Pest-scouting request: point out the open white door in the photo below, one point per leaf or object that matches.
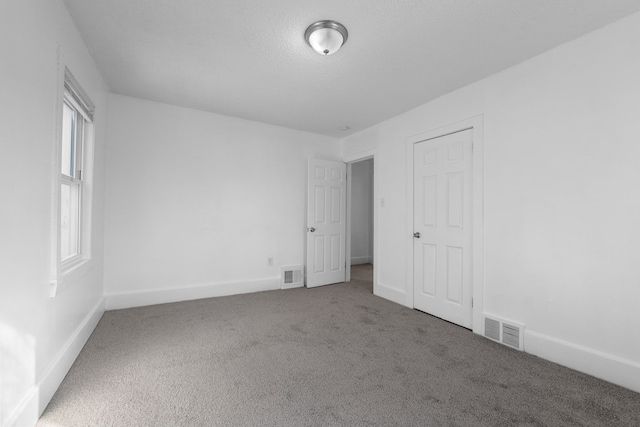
(326, 223)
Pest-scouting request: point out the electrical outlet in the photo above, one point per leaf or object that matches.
(270, 262)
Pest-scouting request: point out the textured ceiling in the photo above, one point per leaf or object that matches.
(248, 58)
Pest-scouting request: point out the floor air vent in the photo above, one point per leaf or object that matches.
(292, 277)
(504, 331)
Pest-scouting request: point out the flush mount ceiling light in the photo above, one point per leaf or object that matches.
(326, 37)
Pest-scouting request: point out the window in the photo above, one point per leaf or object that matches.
(77, 128)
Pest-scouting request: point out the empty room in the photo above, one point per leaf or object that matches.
(297, 213)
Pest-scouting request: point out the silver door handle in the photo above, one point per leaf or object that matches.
(311, 229)
(416, 234)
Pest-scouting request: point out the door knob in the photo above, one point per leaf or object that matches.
(416, 234)
(311, 229)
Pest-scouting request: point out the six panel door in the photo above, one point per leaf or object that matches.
(326, 223)
(442, 277)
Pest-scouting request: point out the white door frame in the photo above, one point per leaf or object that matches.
(350, 160)
(475, 124)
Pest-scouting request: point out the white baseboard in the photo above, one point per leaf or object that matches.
(116, 301)
(625, 373)
(39, 396)
(392, 294)
(26, 413)
(357, 260)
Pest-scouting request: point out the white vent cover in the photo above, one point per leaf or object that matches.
(292, 277)
(492, 329)
(504, 331)
(511, 335)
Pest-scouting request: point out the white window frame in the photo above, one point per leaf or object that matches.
(67, 269)
(74, 180)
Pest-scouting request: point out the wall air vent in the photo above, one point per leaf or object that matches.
(492, 329)
(504, 331)
(511, 335)
(292, 277)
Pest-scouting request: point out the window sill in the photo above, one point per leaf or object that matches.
(70, 274)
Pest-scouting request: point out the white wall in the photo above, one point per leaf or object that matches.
(362, 212)
(197, 202)
(561, 198)
(40, 336)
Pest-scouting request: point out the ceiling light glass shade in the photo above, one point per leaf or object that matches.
(326, 37)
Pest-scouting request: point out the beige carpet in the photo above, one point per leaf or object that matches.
(335, 355)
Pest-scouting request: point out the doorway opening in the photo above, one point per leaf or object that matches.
(362, 215)
(362, 276)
